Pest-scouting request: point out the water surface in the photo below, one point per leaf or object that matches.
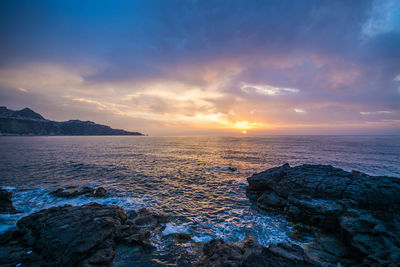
(187, 177)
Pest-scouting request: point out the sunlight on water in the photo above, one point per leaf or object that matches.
(199, 181)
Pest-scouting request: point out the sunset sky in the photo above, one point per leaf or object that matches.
(206, 67)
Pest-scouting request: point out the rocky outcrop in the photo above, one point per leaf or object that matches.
(77, 236)
(6, 205)
(249, 253)
(74, 191)
(28, 122)
(359, 212)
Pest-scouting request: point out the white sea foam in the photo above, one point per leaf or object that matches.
(172, 228)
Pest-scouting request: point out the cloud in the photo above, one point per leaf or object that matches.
(205, 65)
(375, 112)
(267, 90)
(298, 110)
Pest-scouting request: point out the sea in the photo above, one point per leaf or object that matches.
(199, 181)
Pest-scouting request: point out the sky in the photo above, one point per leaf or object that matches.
(206, 67)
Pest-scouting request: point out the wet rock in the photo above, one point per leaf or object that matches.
(180, 237)
(74, 191)
(100, 192)
(73, 236)
(301, 234)
(360, 211)
(249, 253)
(6, 206)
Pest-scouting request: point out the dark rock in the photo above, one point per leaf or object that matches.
(6, 206)
(180, 237)
(146, 217)
(100, 192)
(301, 234)
(73, 236)
(270, 199)
(74, 191)
(249, 253)
(329, 251)
(329, 183)
(359, 212)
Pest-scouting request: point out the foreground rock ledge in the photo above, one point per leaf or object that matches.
(358, 214)
(77, 236)
(248, 253)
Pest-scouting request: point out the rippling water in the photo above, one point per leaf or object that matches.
(187, 177)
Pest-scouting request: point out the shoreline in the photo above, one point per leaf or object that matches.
(339, 224)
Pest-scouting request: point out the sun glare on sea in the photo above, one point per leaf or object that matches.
(244, 132)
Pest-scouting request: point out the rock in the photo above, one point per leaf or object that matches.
(361, 212)
(100, 192)
(249, 253)
(270, 199)
(329, 251)
(146, 217)
(6, 206)
(180, 237)
(327, 182)
(73, 236)
(314, 212)
(301, 234)
(379, 229)
(74, 191)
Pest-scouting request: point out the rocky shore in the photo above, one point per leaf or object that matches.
(77, 236)
(352, 219)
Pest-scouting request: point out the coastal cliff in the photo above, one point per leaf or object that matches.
(28, 122)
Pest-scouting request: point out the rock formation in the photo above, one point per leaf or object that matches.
(74, 191)
(355, 217)
(249, 253)
(77, 236)
(6, 206)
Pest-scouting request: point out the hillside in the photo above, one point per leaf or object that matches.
(28, 122)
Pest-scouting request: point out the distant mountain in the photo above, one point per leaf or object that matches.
(28, 122)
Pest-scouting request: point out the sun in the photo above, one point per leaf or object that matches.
(244, 132)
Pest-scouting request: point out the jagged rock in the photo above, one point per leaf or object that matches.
(6, 206)
(74, 191)
(329, 183)
(73, 236)
(353, 207)
(249, 253)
